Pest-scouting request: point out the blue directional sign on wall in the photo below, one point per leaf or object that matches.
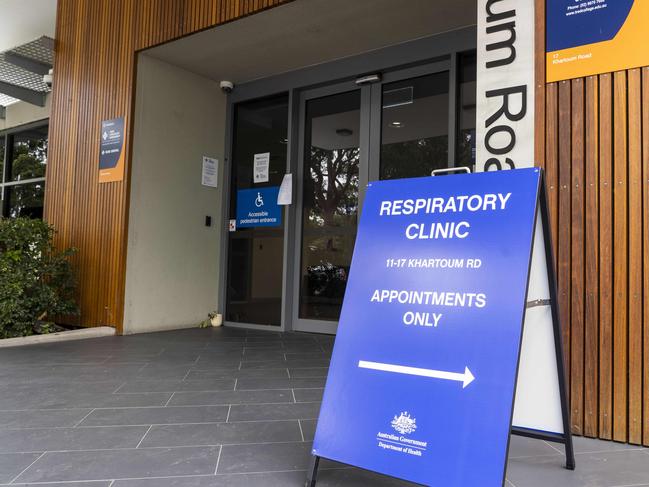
(422, 378)
(257, 207)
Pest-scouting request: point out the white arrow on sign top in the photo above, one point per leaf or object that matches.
(466, 378)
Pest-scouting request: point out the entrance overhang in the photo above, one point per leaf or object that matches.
(308, 33)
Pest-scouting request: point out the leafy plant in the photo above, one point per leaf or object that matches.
(36, 281)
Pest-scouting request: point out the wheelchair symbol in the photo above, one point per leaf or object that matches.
(259, 201)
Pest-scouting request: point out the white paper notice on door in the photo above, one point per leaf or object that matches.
(260, 167)
(210, 172)
(285, 195)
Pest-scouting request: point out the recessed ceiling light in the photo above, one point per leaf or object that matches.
(396, 125)
(344, 132)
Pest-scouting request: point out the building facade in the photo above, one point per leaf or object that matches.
(336, 94)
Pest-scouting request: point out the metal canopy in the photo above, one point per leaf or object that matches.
(21, 72)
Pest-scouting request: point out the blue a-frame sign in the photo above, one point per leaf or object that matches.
(423, 373)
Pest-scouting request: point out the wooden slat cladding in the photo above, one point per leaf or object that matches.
(576, 261)
(645, 253)
(597, 149)
(591, 258)
(95, 64)
(635, 256)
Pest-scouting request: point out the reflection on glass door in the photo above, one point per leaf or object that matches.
(330, 202)
(414, 126)
(465, 153)
(256, 247)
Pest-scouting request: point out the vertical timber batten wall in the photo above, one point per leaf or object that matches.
(592, 139)
(96, 45)
(597, 164)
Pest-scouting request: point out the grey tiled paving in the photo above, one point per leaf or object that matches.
(215, 407)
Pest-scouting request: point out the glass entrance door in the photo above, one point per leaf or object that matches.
(408, 123)
(256, 236)
(333, 167)
(397, 128)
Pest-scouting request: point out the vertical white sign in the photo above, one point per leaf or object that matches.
(260, 167)
(210, 172)
(285, 195)
(505, 85)
(505, 140)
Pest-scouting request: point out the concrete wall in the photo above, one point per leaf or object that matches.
(172, 270)
(22, 112)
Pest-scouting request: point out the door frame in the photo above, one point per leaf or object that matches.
(389, 61)
(371, 112)
(306, 324)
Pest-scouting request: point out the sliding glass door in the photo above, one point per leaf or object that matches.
(396, 128)
(332, 166)
(256, 236)
(290, 267)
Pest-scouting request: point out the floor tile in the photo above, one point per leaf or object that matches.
(222, 433)
(264, 458)
(308, 395)
(230, 397)
(47, 389)
(275, 364)
(211, 374)
(166, 372)
(261, 384)
(263, 355)
(300, 356)
(41, 419)
(11, 464)
(589, 445)
(156, 415)
(355, 477)
(274, 479)
(83, 400)
(58, 439)
(609, 469)
(308, 372)
(308, 428)
(63, 385)
(261, 412)
(215, 361)
(173, 386)
(119, 464)
(95, 483)
(520, 446)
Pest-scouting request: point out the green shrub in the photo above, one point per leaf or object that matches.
(36, 281)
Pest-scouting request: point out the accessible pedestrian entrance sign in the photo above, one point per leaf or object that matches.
(425, 364)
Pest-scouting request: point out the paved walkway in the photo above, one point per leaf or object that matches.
(216, 407)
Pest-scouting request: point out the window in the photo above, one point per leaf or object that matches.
(23, 163)
(256, 249)
(465, 154)
(414, 126)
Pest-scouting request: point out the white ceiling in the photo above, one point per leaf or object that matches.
(22, 21)
(309, 32)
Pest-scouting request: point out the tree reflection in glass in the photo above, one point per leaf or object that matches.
(29, 156)
(330, 204)
(25, 200)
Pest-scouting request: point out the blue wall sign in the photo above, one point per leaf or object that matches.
(595, 36)
(257, 207)
(422, 378)
(571, 24)
(111, 153)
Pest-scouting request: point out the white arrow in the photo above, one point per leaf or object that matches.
(466, 378)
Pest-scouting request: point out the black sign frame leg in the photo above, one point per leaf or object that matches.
(312, 472)
(566, 437)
